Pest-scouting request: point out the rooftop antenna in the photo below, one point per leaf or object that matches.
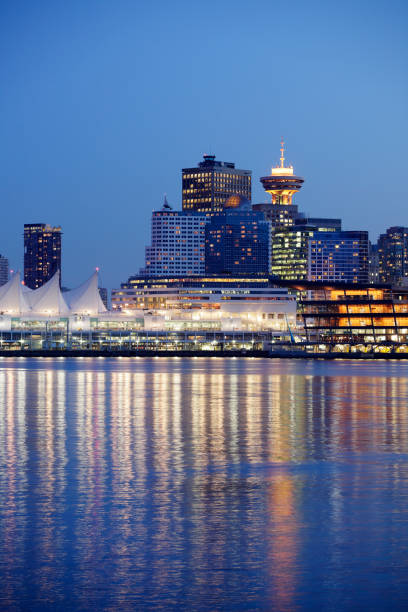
(282, 150)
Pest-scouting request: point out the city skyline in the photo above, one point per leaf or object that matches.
(105, 105)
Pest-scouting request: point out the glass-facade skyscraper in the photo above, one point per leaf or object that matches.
(237, 241)
(339, 256)
(42, 253)
(317, 249)
(207, 187)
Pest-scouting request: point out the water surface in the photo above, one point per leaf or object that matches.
(203, 484)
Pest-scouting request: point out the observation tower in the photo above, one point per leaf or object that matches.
(282, 183)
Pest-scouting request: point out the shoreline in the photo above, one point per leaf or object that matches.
(221, 354)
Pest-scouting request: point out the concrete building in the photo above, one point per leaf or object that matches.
(177, 243)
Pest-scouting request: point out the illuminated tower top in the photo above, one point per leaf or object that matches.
(282, 183)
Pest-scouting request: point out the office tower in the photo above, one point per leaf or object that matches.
(177, 243)
(339, 256)
(290, 246)
(42, 253)
(317, 249)
(4, 270)
(393, 255)
(237, 241)
(281, 184)
(207, 187)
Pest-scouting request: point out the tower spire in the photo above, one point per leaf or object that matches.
(282, 150)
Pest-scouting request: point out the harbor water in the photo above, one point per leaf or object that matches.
(203, 484)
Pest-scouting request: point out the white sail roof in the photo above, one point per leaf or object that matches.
(48, 299)
(86, 298)
(13, 300)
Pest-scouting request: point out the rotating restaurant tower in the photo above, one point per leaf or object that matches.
(281, 184)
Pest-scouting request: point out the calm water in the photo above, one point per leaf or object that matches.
(203, 484)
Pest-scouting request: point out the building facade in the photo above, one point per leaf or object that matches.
(4, 270)
(339, 256)
(393, 255)
(207, 187)
(208, 304)
(350, 316)
(177, 244)
(42, 253)
(237, 241)
(290, 246)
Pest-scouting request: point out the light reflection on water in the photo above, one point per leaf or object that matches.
(203, 484)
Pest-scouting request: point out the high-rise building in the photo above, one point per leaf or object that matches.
(237, 241)
(290, 246)
(207, 187)
(4, 270)
(281, 184)
(339, 256)
(177, 243)
(393, 255)
(42, 253)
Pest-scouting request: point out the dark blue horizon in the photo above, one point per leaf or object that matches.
(104, 103)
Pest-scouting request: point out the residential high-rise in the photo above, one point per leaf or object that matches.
(4, 270)
(393, 255)
(177, 243)
(237, 241)
(42, 253)
(281, 184)
(207, 187)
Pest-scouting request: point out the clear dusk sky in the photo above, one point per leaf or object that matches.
(103, 102)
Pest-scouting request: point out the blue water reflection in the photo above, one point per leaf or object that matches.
(203, 484)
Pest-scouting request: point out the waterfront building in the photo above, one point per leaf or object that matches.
(353, 316)
(177, 243)
(208, 304)
(393, 255)
(148, 312)
(42, 253)
(208, 186)
(237, 241)
(282, 184)
(206, 313)
(4, 270)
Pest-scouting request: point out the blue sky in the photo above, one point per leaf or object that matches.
(103, 102)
